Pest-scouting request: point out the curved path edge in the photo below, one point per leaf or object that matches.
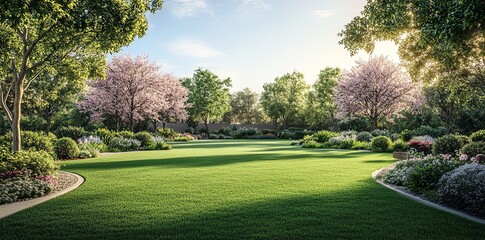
(9, 209)
(428, 203)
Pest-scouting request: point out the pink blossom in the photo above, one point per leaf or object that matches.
(463, 157)
(134, 90)
(376, 89)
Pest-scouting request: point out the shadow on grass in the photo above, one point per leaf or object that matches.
(365, 212)
(209, 161)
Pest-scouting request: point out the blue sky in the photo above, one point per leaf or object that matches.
(251, 41)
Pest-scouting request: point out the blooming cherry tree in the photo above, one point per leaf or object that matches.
(376, 89)
(134, 90)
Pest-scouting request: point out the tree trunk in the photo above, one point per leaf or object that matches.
(48, 127)
(374, 122)
(17, 113)
(206, 126)
(163, 124)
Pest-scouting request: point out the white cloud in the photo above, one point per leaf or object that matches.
(323, 13)
(187, 8)
(194, 49)
(251, 8)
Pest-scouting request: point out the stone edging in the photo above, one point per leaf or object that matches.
(428, 203)
(9, 209)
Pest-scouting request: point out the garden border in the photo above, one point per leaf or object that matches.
(12, 208)
(428, 203)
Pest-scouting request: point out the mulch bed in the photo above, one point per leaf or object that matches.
(64, 180)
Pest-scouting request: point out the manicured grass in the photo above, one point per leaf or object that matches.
(234, 189)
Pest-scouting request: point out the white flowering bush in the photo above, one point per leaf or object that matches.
(120, 144)
(464, 188)
(425, 138)
(398, 173)
(419, 173)
(344, 136)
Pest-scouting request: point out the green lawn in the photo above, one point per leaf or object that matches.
(234, 189)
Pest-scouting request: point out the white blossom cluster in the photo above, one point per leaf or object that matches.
(464, 188)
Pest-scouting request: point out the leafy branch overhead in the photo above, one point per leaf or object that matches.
(432, 35)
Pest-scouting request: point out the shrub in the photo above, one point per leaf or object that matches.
(346, 144)
(406, 135)
(244, 132)
(398, 173)
(358, 145)
(447, 144)
(381, 144)
(104, 134)
(381, 132)
(162, 146)
(125, 134)
(421, 146)
(145, 138)
(120, 144)
(92, 142)
(271, 131)
(15, 189)
(168, 132)
(35, 141)
(203, 130)
(38, 163)
(83, 154)
(71, 132)
(286, 135)
(427, 130)
(311, 144)
(364, 136)
(426, 174)
(190, 130)
(225, 131)
(356, 124)
(474, 148)
(181, 139)
(400, 146)
(92, 149)
(464, 140)
(464, 188)
(66, 148)
(478, 136)
(323, 136)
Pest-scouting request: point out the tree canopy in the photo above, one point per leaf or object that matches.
(245, 107)
(433, 36)
(284, 99)
(208, 96)
(376, 89)
(320, 109)
(39, 34)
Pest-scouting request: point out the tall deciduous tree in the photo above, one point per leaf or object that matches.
(133, 91)
(284, 99)
(57, 90)
(175, 105)
(375, 89)
(433, 36)
(208, 96)
(320, 108)
(39, 34)
(246, 108)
